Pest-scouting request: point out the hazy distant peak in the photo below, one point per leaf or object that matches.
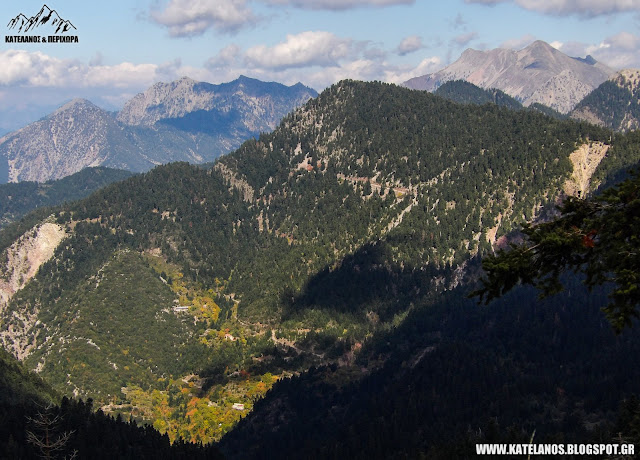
(590, 60)
(536, 73)
(540, 45)
(74, 104)
(182, 120)
(184, 96)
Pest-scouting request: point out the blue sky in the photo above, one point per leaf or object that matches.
(127, 45)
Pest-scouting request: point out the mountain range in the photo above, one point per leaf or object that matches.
(538, 73)
(339, 247)
(197, 121)
(181, 121)
(306, 294)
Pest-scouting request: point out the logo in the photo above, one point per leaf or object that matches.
(46, 21)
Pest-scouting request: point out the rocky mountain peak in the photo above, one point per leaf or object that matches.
(179, 98)
(183, 120)
(540, 46)
(537, 73)
(77, 104)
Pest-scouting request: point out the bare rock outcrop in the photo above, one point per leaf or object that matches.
(26, 256)
(537, 73)
(585, 160)
(22, 260)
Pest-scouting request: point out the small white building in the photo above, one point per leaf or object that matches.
(238, 406)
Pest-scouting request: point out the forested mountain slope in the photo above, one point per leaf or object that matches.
(35, 422)
(179, 293)
(454, 374)
(16, 200)
(614, 104)
(463, 92)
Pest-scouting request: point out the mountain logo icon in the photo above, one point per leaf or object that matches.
(45, 17)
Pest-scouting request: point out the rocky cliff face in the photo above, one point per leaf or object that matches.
(237, 110)
(537, 73)
(80, 134)
(25, 256)
(256, 106)
(23, 259)
(585, 159)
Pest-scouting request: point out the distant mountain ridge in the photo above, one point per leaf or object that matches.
(179, 98)
(80, 134)
(180, 121)
(538, 73)
(463, 92)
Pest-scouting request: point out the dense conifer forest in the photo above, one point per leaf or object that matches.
(17, 199)
(35, 422)
(326, 265)
(463, 92)
(614, 104)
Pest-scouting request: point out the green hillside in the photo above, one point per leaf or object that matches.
(19, 386)
(614, 104)
(463, 92)
(455, 374)
(179, 294)
(36, 423)
(17, 199)
(106, 340)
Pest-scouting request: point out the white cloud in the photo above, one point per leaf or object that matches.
(464, 39)
(306, 49)
(337, 5)
(619, 51)
(186, 18)
(583, 8)
(226, 57)
(36, 69)
(586, 8)
(400, 75)
(624, 41)
(374, 53)
(518, 43)
(97, 59)
(409, 45)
